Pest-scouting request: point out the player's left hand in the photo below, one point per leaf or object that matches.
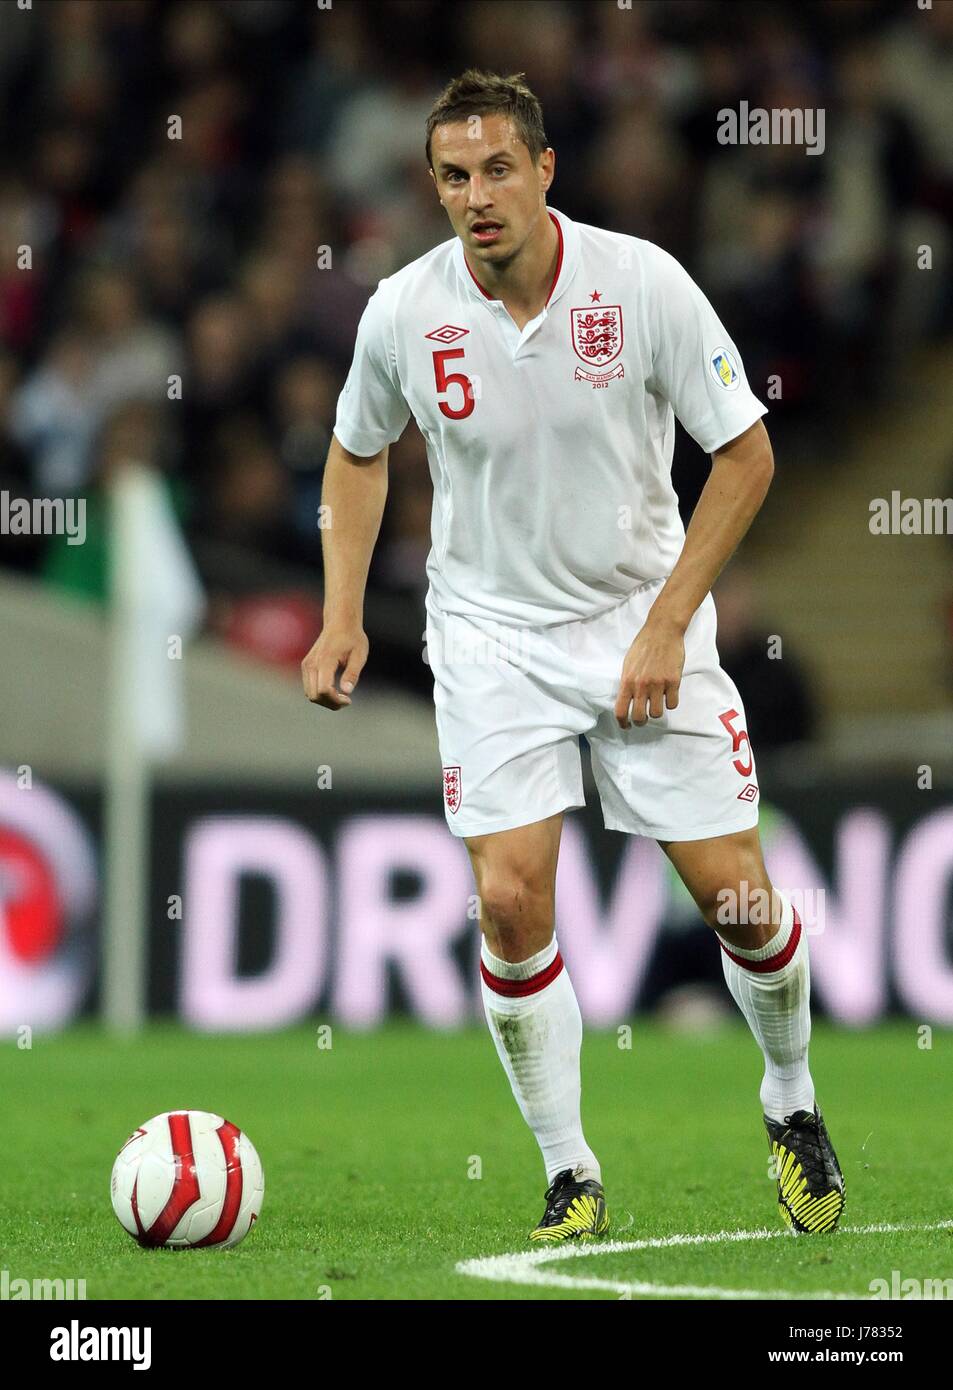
(651, 673)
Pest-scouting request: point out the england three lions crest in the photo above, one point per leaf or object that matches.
(597, 338)
(452, 789)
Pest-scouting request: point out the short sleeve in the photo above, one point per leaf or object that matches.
(371, 410)
(695, 365)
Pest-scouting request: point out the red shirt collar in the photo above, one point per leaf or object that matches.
(559, 263)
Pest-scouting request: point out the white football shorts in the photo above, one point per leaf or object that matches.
(511, 703)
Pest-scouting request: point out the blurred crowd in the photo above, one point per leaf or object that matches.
(208, 193)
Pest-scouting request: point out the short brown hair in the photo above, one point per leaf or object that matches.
(476, 93)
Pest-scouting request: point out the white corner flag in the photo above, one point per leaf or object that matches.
(156, 605)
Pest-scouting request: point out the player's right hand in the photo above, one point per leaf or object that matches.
(332, 667)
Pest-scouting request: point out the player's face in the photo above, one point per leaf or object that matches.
(491, 188)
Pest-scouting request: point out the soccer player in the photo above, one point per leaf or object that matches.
(545, 361)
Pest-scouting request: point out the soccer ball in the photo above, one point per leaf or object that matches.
(188, 1180)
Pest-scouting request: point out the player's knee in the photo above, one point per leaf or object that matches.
(515, 905)
(743, 906)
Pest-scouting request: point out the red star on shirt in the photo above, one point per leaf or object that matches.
(595, 296)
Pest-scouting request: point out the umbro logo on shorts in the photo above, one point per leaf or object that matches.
(452, 788)
(749, 793)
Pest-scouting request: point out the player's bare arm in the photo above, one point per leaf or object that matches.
(354, 493)
(740, 476)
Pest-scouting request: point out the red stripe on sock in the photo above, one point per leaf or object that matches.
(518, 988)
(775, 962)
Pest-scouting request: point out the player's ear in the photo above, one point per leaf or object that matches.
(436, 190)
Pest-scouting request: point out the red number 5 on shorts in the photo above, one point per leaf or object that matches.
(738, 737)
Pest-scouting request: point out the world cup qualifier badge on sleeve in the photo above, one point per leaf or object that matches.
(597, 337)
(724, 369)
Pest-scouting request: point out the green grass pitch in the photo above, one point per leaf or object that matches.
(369, 1146)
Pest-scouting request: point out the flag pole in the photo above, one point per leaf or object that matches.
(126, 819)
(157, 603)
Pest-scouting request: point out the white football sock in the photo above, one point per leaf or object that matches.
(772, 987)
(534, 1018)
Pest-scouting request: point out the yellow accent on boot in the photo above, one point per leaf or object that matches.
(798, 1208)
(586, 1216)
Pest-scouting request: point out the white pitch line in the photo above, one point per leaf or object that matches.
(524, 1266)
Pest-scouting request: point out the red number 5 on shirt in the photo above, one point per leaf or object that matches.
(444, 382)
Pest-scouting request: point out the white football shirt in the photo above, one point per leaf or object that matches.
(550, 448)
